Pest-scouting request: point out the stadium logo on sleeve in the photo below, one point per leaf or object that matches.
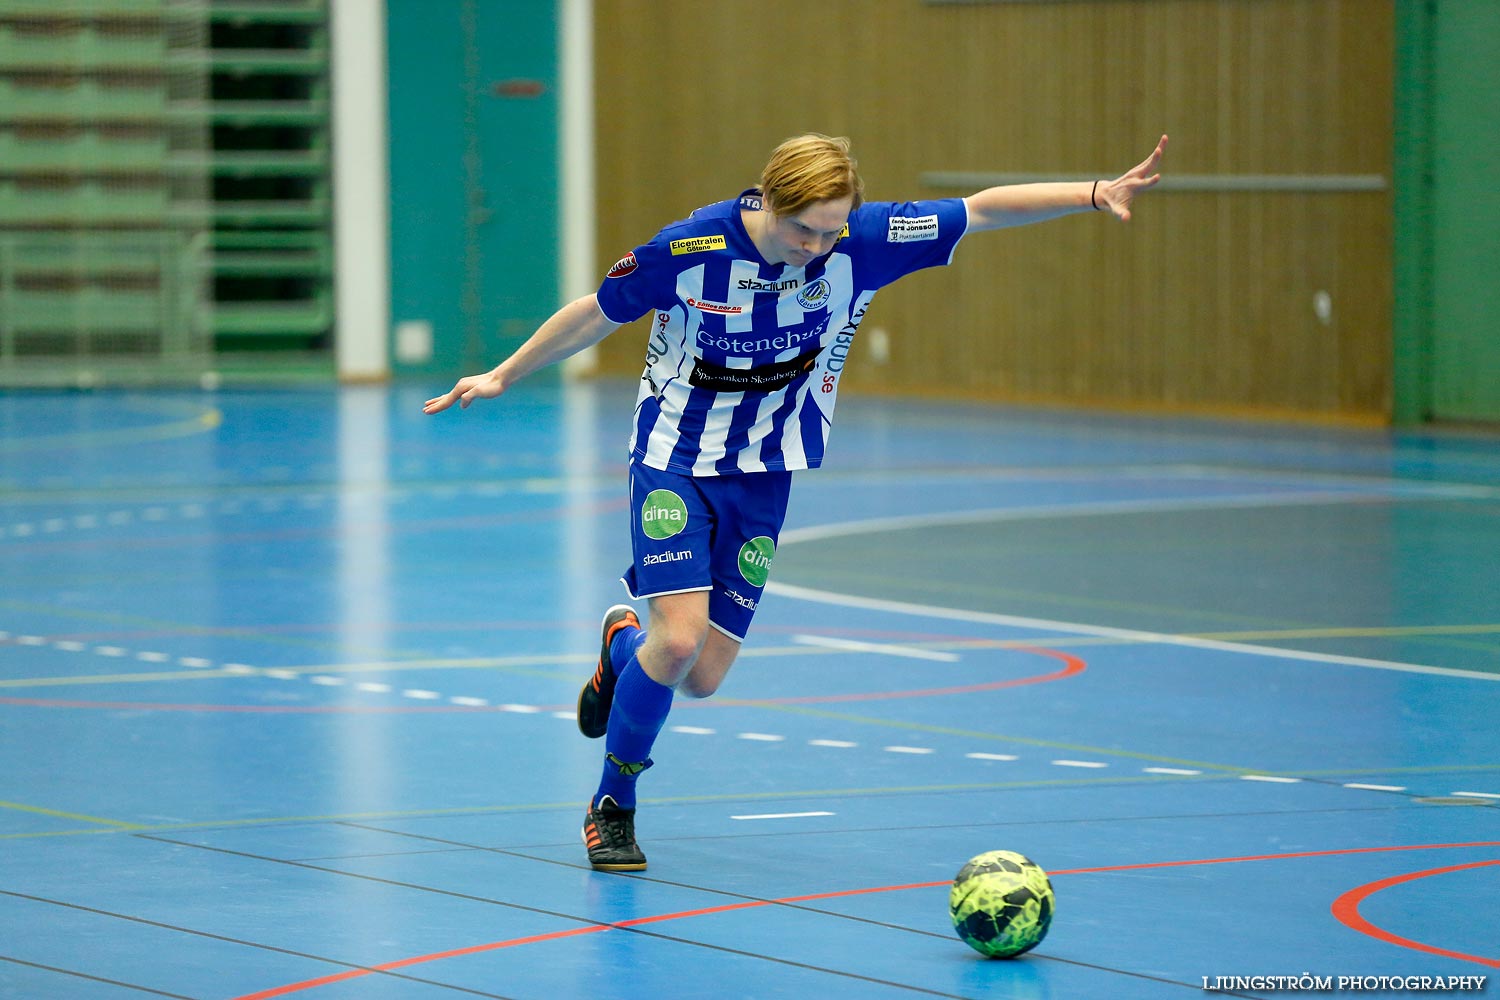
(697, 244)
(623, 266)
(910, 229)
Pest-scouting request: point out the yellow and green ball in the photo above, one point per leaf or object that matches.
(1001, 904)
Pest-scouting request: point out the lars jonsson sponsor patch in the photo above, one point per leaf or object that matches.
(909, 229)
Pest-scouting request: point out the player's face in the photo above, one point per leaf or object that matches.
(799, 239)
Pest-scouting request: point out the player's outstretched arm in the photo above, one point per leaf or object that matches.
(575, 326)
(1020, 204)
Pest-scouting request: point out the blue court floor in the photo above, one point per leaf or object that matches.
(287, 682)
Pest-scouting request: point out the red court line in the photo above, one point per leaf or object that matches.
(1072, 665)
(1346, 909)
(308, 984)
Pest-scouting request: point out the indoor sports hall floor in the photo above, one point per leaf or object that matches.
(286, 682)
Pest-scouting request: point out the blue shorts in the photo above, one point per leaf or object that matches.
(713, 533)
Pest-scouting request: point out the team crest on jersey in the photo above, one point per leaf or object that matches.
(623, 266)
(815, 295)
(697, 244)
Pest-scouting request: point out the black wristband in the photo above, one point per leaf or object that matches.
(1091, 196)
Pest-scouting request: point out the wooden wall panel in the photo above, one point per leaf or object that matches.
(1205, 301)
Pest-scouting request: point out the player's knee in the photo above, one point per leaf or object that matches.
(670, 653)
(681, 646)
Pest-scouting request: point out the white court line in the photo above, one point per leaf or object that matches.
(1124, 634)
(1170, 770)
(1080, 763)
(877, 525)
(1477, 795)
(1047, 512)
(783, 815)
(991, 756)
(1375, 788)
(884, 649)
(1274, 778)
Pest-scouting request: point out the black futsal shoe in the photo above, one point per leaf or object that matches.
(599, 693)
(609, 834)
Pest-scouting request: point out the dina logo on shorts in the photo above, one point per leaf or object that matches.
(663, 514)
(755, 560)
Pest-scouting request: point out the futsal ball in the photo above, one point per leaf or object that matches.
(1001, 904)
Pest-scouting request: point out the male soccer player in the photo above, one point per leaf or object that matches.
(756, 301)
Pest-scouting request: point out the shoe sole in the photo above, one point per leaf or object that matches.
(606, 636)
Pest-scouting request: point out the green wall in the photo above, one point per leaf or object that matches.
(1447, 175)
(474, 201)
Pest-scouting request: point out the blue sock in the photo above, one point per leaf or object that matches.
(624, 644)
(639, 711)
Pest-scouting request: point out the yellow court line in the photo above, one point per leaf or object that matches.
(467, 663)
(173, 627)
(184, 675)
(1423, 769)
(79, 817)
(1373, 632)
(515, 663)
(200, 423)
(572, 804)
(1329, 632)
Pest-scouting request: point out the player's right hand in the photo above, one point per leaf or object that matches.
(465, 391)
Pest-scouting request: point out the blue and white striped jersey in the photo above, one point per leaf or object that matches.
(743, 364)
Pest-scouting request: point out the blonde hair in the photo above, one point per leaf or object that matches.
(810, 168)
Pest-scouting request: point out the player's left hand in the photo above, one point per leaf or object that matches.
(1118, 194)
(468, 389)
